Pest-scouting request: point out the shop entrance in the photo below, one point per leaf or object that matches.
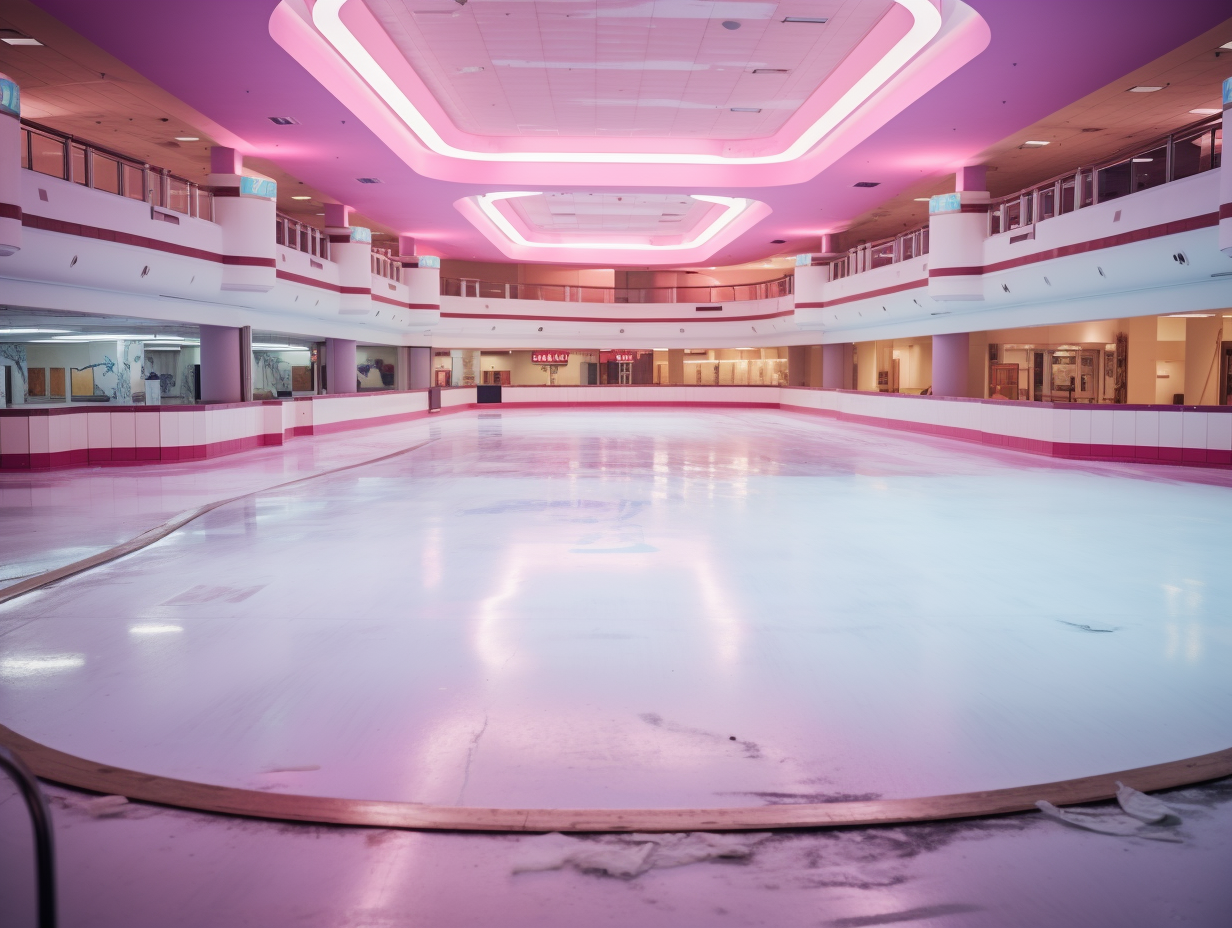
(1072, 375)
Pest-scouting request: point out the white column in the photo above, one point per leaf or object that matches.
(10, 167)
(957, 227)
(245, 208)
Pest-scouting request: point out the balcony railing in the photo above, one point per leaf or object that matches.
(903, 247)
(567, 293)
(383, 264)
(1192, 150)
(300, 236)
(58, 154)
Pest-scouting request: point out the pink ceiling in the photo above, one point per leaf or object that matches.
(218, 56)
(658, 68)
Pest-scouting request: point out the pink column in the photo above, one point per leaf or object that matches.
(421, 368)
(951, 364)
(341, 373)
(10, 167)
(221, 373)
(836, 366)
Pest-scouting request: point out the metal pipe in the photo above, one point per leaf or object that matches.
(40, 820)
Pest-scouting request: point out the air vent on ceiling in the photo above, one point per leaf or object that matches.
(867, 183)
(368, 180)
(770, 70)
(778, 241)
(283, 121)
(746, 109)
(804, 19)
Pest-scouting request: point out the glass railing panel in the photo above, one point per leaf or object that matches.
(1192, 153)
(80, 173)
(134, 183)
(205, 205)
(105, 172)
(47, 155)
(1149, 169)
(1115, 181)
(1046, 203)
(177, 195)
(1068, 189)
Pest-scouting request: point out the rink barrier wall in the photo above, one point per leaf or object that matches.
(44, 438)
(53, 437)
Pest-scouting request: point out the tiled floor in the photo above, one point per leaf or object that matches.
(629, 608)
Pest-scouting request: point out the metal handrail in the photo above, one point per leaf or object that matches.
(299, 236)
(1084, 186)
(901, 247)
(133, 178)
(40, 820)
(568, 293)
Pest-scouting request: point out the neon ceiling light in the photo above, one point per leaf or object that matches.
(927, 23)
(734, 208)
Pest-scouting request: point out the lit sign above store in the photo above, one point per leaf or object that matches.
(549, 357)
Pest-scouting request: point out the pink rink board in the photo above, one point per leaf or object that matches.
(49, 437)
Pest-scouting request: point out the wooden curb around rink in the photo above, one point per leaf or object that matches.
(162, 530)
(69, 770)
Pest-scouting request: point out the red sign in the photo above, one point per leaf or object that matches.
(625, 357)
(549, 357)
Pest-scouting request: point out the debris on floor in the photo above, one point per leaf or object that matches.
(97, 806)
(630, 855)
(1143, 817)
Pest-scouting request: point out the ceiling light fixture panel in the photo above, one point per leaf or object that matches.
(342, 44)
(492, 215)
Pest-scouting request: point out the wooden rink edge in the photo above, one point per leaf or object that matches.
(56, 766)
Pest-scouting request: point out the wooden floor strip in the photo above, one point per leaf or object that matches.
(69, 770)
(158, 532)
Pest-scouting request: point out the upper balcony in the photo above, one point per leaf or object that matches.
(564, 293)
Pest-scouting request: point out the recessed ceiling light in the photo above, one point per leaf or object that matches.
(20, 40)
(923, 199)
(470, 69)
(1034, 143)
(770, 70)
(283, 121)
(867, 183)
(804, 19)
(1226, 45)
(368, 180)
(301, 197)
(746, 109)
(1142, 160)
(187, 138)
(730, 24)
(1206, 111)
(1142, 88)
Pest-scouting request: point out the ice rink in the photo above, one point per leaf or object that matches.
(642, 608)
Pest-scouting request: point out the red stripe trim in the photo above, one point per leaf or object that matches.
(393, 302)
(246, 261)
(307, 281)
(364, 291)
(866, 295)
(10, 211)
(45, 224)
(787, 312)
(1205, 221)
(1225, 210)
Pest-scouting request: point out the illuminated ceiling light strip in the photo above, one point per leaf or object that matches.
(326, 16)
(735, 206)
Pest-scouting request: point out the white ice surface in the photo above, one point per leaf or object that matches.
(581, 609)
